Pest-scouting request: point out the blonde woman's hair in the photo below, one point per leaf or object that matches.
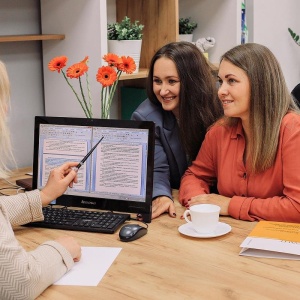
(6, 155)
(270, 101)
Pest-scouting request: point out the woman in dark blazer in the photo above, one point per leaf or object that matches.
(182, 102)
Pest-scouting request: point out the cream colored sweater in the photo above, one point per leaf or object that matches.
(25, 275)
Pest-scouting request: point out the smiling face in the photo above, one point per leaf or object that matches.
(166, 84)
(234, 91)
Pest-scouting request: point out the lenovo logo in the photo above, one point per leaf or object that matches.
(88, 202)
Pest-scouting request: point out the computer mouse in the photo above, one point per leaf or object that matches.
(131, 232)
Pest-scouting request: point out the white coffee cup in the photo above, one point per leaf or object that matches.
(204, 217)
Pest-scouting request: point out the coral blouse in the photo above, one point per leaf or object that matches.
(271, 195)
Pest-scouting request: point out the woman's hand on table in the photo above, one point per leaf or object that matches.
(161, 205)
(216, 199)
(71, 245)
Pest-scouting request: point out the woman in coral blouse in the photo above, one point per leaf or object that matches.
(253, 152)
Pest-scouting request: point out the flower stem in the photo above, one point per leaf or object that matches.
(103, 100)
(89, 93)
(106, 102)
(80, 102)
(112, 91)
(84, 101)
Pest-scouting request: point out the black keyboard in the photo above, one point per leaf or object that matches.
(81, 220)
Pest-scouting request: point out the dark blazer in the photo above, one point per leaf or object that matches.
(170, 161)
(296, 94)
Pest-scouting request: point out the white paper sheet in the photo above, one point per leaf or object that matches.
(94, 263)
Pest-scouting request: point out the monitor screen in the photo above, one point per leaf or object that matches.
(117, 176)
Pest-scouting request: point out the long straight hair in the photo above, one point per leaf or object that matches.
(270, 101)
(199, 106)
(6, 154)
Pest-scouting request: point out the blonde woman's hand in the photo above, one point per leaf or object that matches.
(219, 200)
(58, 181)
(71, 245)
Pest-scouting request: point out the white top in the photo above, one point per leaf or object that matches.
(25, 275)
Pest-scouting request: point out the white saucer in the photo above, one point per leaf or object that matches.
(221, 229)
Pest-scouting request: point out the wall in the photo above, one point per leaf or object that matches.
(268, 21)
(220, 19)
(111, 11)
(83, 38)
(268, 25)
(23, 61)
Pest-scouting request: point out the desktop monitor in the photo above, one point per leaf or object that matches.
(118, 175)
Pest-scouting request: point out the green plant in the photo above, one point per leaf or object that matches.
(125, 30)
(294, 36)
(186, 26)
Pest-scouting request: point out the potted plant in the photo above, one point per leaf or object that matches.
(125, 38)
(186, 29)
(295, 36)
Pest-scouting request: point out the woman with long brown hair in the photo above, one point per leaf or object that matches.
(182, 101)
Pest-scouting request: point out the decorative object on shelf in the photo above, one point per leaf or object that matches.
(186, 29)
(244, 28)
(295, 36)
(204, 44)
(125, 38)
(108, 76)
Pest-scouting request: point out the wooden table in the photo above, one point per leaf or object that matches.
(165, 264)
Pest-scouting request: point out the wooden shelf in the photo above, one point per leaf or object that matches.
(142, 73)
(30, 37)
(160, 18)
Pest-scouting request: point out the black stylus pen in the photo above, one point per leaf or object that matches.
(87, 156)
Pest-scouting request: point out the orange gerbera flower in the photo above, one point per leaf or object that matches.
(112, 59)
(77, 70)
(57, 63)
(106, 76)
(85, 60)
(128, 65)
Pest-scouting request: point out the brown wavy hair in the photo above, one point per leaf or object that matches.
(199, 106)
